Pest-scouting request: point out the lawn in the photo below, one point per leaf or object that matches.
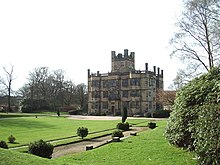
(148, 147)
(29, 129)
(8, 157)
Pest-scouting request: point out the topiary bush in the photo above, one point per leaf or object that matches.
(124, 114)
(118, 133)
(82, 132)
(3, 144)
(193, 111)
(11, 139)
(123, 126)
(152, 125)
(41, 148)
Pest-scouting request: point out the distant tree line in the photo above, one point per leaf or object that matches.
(51, 91)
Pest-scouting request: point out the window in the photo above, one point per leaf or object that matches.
(135, 104)
(149, 94)
(95, 105)
(105, 84)
(135, 81)
(114, 95)
(125, 93)
(95, 94)
(112, 83)
(105, 105)
(95, 83)
(135, 93)
(125, 83)
(150, 105)
(105, 94)
(151, 81)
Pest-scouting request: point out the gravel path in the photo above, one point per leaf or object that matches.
(81, 146)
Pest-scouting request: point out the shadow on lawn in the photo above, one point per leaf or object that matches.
(28, 122)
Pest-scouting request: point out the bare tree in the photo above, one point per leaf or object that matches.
(7, 85)
(166, 98)
(180, 80)
(58, 87)
(81, 91)
(197, 41)
(70, 93)
(50, 89)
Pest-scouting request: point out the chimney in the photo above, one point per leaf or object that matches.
(97, 73)
(161, 73)
(146, 66)
(88, 72)
(158, 71)
(155, 70)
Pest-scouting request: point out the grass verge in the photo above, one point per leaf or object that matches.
(149, 147)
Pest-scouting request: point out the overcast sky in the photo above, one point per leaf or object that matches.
(76, 35)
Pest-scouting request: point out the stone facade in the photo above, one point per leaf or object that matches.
(124, 86)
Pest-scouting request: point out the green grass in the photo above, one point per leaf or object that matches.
(29, 129)
(9, 157)
(148, 147)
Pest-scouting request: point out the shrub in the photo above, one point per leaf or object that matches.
(208, 135)
(41, 148)
(118, 133)
(161, 113)
(3, 144)
(124, 114)
(58, 113)
(194, 121)
(11, 139)
(82, 132)
(123, 126)
(152, 125)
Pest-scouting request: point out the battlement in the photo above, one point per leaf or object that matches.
(121, 56)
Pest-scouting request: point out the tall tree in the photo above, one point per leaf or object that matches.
(180, 80)
(81, 94)
(7, 83)
(197, 41)
(58, 87)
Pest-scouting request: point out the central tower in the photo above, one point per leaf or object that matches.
(123, 63)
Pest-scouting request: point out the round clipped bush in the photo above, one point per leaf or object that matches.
(123, 126)
(82, 132)
(3, 144)
(118, 133)
(11, 139)
(41, 148)
(152, 125)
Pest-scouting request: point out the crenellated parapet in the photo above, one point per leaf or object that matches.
(124, 56)
(123, 62)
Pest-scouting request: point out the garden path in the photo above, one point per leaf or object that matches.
(97, 142)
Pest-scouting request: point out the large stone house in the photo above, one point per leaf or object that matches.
(109, 93)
